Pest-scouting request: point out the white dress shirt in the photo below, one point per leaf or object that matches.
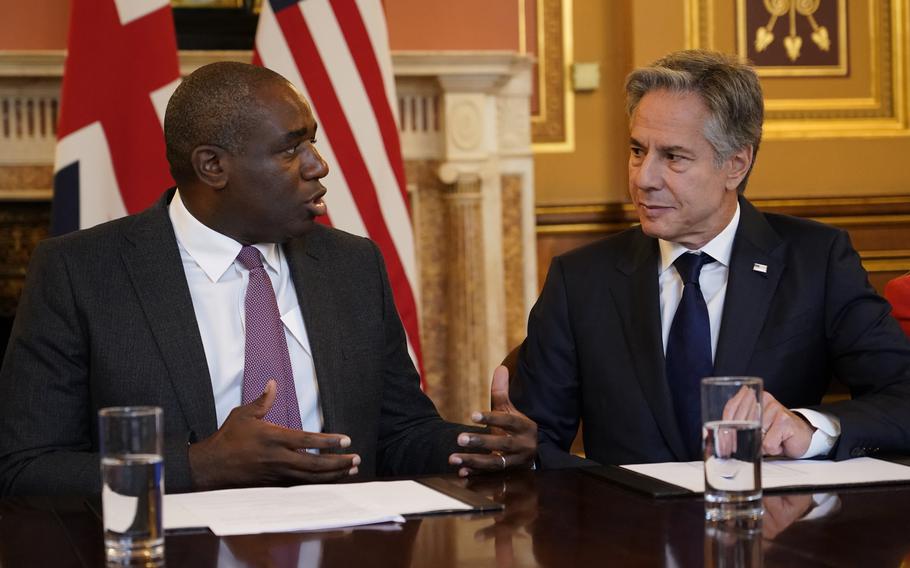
(713, 282)
(217, 283)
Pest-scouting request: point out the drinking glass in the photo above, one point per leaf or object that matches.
(732, 436)
(132, 475)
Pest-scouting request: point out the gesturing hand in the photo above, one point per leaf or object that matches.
(247, 451)
(512, 438)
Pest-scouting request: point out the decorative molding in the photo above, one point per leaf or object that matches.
(465, 125)
(753, 41)
(30, 85)
(553, 128)
(881, 109)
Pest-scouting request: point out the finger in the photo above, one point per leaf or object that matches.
(492, 442)
(771, 410)
(739, 406)
(261, 406)
(499, 390)
(773, 437)
(515, 422)
(306, 463)
(481, 462)
(324, 477)
(301, 439)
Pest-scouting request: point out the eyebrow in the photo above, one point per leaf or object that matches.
(300, 133)
(663, 149)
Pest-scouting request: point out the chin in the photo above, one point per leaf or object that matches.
(300, 229)
(652, 229)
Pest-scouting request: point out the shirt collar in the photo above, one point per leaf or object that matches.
(720, 247)
(212, 251)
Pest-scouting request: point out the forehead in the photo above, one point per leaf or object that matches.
(282, 109)
(668, 118)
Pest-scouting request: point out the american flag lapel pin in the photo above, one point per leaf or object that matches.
(759, 267)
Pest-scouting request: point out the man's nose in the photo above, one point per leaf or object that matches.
(313, 166)
(647, 174)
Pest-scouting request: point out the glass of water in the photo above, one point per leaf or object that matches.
(731, 416)
(132, 474)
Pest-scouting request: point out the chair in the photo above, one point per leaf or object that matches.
(897, 292)
(511, 363)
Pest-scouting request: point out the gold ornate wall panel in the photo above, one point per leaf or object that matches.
(866, 92)
(552, 121)
(793, 38)
(513, 263)
(879, 227)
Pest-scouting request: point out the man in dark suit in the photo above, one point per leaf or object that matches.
(777, 297)
(150, 310)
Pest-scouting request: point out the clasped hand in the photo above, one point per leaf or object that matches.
(511, 440)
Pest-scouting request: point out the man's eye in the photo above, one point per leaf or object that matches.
(292, 150)
(636, 151)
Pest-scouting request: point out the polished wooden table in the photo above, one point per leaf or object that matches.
(551, 518)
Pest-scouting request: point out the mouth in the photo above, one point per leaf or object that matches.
(316, 205)
(653, 208)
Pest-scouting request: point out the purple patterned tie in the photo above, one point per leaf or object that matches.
(266, 347)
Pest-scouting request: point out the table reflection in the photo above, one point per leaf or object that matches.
(743, 542)
(517, 492)
(551, 518)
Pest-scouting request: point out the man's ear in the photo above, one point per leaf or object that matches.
(739, 164)
(210, 163)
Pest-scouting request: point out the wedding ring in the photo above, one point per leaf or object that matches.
(503, 458)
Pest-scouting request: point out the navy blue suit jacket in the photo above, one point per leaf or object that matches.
(594, 350)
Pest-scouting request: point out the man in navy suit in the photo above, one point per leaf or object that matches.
(781, 298)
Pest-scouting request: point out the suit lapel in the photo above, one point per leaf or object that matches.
(756, 264)
(305, 256)
(156, 271)
(639, 305)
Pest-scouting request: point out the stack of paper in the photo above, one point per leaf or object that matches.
(783, 473)
(304, 507)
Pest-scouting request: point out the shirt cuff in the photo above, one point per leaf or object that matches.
(827, 431)
(823, 505)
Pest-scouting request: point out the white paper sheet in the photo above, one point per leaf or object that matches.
(785, 473)
(304, 507)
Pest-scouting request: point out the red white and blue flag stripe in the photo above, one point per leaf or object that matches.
(121, 68)
(337, 53)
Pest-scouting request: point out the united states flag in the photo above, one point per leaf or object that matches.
(337, 53)
(121, 68)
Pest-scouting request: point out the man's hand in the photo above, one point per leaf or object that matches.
(512, 441)
(781, 511)
(783, 432)
(247, 451)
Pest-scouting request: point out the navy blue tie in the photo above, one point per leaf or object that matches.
(689, 351)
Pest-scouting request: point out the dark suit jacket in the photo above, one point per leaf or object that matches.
(594, 349)
(106, 319)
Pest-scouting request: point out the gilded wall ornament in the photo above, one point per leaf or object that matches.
(793, 42)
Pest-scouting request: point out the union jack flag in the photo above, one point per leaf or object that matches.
(121, 68)
(337, 53)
